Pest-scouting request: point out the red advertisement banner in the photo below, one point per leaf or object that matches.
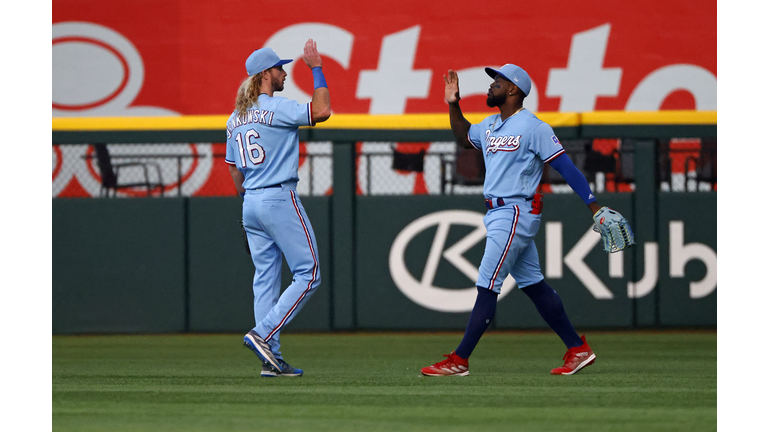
(167, 57)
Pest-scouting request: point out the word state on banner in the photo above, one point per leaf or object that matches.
(578, 85)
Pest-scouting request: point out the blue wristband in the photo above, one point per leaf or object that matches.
(319, 78)
(242, 195)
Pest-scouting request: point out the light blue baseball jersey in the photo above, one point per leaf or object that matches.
(515, 151)
(264, 143)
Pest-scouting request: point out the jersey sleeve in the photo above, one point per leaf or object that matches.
(231, 153)
(290, 113)
(475, 136)
(544, 143)
(229, 158)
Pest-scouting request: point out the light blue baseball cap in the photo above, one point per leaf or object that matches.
(263, 59)
(513, 73)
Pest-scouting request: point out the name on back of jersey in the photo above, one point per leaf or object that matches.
(252, 116)
(501, 143)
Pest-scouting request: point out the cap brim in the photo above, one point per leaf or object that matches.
(493, 72)
(282, 62)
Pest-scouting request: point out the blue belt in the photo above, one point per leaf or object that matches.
(493, 203)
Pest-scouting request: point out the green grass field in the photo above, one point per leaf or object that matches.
(641, 381)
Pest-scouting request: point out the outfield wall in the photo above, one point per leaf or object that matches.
(174, 265)
(166, 264)
(147, 265)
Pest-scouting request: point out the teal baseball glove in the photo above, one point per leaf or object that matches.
(614, 230)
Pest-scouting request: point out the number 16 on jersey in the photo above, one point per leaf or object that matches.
(250, 147)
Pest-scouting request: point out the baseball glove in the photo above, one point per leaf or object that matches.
(245, 237)
(614, 230)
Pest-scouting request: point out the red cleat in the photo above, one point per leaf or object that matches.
(576, 359)
(452, 366)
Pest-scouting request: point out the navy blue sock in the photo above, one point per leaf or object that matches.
(551, 308)
(482, 314)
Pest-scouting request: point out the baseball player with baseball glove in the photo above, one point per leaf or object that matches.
(263, 158)
(515, 146)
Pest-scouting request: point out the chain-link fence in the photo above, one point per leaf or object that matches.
(382, 168)
(167, 170)
(406, 168)
(687, 165)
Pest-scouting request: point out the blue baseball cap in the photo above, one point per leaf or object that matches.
(513, 73)
(263, 59)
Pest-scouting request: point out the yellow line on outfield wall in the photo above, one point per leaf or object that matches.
(426, 121)
(649, 118)
(139, 123)
(368, 121)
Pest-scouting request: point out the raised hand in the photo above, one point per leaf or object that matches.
(451, 86)
(311, 57)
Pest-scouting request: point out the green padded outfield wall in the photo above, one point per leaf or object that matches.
(125, 266)
(118, 265)
(688, 259)
(417, 258)
(421, 274)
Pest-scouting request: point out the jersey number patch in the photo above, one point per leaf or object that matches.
(250, 147)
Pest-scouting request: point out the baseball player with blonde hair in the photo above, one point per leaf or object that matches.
(263, 158)
(515, 146)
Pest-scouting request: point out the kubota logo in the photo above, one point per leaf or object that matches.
(423, 291)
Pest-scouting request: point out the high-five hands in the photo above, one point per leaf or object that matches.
(451, 87)
(311, 57)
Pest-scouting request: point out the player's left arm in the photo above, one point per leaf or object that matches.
(575, 179)
(545, 144)
(614, 229)
(321, 98)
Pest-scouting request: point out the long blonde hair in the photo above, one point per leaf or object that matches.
(248, 93)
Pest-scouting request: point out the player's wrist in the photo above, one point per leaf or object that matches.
(594, 207)
(318, 77)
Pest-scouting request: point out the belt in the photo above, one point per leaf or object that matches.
(493, 203)
(286, 185)
(270, 186)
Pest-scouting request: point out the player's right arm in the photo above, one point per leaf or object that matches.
(231, 160)
(238, 178)
(459, 124)
(321, 98)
